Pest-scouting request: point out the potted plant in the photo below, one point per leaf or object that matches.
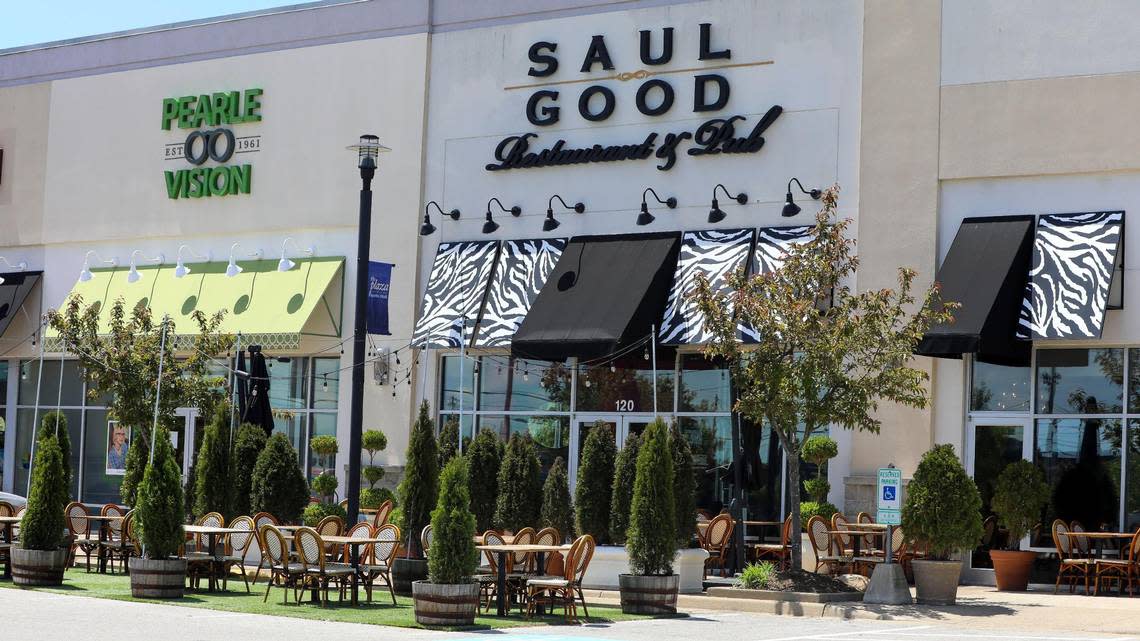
(323, 484)
(41, 556)
(450, 596)
(277, 486)
(1019, 496)
(373, 441)
(594, 489)
(652, 586)
(625, 472)
(684, 487)
(943, 511)
(418, 492)
(249, 442)
(158, 572)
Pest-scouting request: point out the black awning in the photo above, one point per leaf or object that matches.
(13, 292)
(985, 272)
(605, 291)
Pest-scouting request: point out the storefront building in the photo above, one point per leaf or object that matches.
(985, 144)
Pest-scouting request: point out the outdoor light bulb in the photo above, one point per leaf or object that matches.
(613, 368)
(397, 360)
(86, 274)
(133, 275)
(180, 269)
(285, 264)
(587, 382)
(325, 384)
(233, 269)
(646, 354)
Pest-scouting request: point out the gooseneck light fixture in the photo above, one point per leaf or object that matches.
(551, 223)
(19, 267)
(790, 207)
(427, 228)
(285, 264)
(86, 275)
(133, 275)
(180, 268)
(490, 226)
(644, 218)
(716, 214)
(233, 269)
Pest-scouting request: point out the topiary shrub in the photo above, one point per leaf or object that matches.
(942, 508)
(211, 472)
(373, 441)
(419, 488)
(137, 456)
(453, 556)
(314, 512)
(817, 489)
(325, 447)
(557, 512)
(278, 487)
(818, 450)
(520, 486)
(625, 471)
(44, 521)
(684, 486)
(324, 486)
(373, 497)
(159, 511)
(1019, 496)
(55, 424)
(595, 483)
(822, 509)
(249, 442)
(653, 523)
(484, 458)
(448, 441)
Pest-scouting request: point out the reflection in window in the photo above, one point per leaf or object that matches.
(326, 383)
(451, 390)
(995, 446)
(551, 435)
(323, 424)
(711, 441)
(288, 383)
(704, 385)
(24, 420)
(465, 433)
(1080, 381)
(1132, 479)
(999, 388)
(519, 385)
(98, 486)
(625, 385)
(1081, 461)
(48, 384)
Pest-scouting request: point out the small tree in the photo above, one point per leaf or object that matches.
(453, 556)
(943, 509)
(653, 523)
(824, 355)
(595, 483)
(684, 486)
(373, 441)
(1019, 496)
(159, 513)
(248, 445)
(625, 472)
(44, 521)
(55, 424)
(324, 484)
(419, 489)
(278, 486)
(520, 485)
(212, 470)
(485, 458)
(557, 512)
(448, 441)
(818, 450)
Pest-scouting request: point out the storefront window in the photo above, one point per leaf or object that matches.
(101, 479)
(288, 383)
(999, 388)
(453, 395)
(995, 447)
(49, 384)
(518, 385)
(326, 383)
(323, 424)
(551, 434)
(1080, 381)
(25, 417)
(1081, 461)
(704, 385)
(465, 425)
(711, 441)
(1132, 479)
(625, 385)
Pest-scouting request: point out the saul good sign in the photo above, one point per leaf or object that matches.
(889, 496)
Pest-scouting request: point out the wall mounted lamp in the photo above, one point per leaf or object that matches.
(490, 226)
(427, 228)
(644, 218)
(550, 224)
(19, 267)
(716, 214)
(233, 269)
(790, 207)
(285, 264)
(86, 275)
(180, 268)
(133, 275)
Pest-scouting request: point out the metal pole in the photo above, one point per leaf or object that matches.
(36, 415)
(158, 390)
(356, 412)
(234, 400)
(653, 341)
(59, 392)
(462, 357)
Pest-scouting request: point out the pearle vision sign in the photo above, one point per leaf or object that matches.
(211, 144)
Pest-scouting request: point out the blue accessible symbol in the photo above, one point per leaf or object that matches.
(888, 492)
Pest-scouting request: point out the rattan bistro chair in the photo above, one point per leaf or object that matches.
(566, 589)
(1080, 545)
(716, 540)
(823, 545)
(489, 581)
(1126, 570)
(362, 530)
(425, 540)
(782, 551)
(275, 551)
(331, 525)
(1072, 568)
(237, 547)
(844, 543)
(382, 514)
(79, 530)
(319, 573)
(260, 519)
(382, 554)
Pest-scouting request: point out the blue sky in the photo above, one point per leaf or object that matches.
(27, 22)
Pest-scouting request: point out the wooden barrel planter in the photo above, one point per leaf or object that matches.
(405, 572)
(449, 604)
(151, 579)
(649, 594)
(38, 567)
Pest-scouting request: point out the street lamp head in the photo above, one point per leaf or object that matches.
(367, 150)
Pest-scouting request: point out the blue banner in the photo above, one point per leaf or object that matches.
(379, 281)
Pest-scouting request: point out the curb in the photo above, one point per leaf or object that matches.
(686, 602)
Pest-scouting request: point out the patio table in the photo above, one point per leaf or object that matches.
(502, 551)
(1098, 537)
(217, 560)
(9, 523)
(354, 558)
(104, 521)
(856, 539)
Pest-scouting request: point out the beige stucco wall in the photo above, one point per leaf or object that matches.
(23, 130)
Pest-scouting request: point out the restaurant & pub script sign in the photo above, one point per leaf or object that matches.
(210, 119)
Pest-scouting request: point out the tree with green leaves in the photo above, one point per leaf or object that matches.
(373, 442)
(324, 485)
(520, 485)
(453, 556)
(625, 471)
(684, 486)
(419, 489)
(818, 450)
(557, 511)
(278, 487)
(1020, 494)
(484, 457)
(448, 441)
(122, 365)
(212, 469)
(943, 509)
(42, 527)
(825, 355)
(595, 483)
(159, 513)
(55, 424)
(653, 520)
(249, 442)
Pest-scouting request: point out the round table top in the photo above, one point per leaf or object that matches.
(10, 519)
(859, 532)
(522, 547)
(104, 517)
(212, 529)
(1103, 535)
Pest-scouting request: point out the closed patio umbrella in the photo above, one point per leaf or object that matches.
(242, 385)
(258, 411)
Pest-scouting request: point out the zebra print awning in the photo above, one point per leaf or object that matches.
(455, 292)
(772, 245)
(522, 270)
(1074, 259)
(716, 254)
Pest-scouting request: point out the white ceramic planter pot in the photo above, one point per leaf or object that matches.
(610, 561)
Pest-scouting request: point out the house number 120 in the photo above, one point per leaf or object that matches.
(624, 405)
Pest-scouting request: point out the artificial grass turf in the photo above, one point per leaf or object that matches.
(380, 612)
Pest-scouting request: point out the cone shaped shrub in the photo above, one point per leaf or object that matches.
(625, 471)
(278, 487)
(484, 458)
(159, 510)
(520, 486)
(653, 522)
(248, 444)
(44, 520)
(48, 426)
(684, 486)
(453, 556)
(419, 488)
(943, 509)
(595, 483)
(137, 456)
(212, 470)
(557, 512)
(448, 441)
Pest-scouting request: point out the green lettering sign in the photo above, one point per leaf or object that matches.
(218, 109)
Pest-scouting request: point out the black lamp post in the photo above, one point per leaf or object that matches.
(367, 151)
(790, 207)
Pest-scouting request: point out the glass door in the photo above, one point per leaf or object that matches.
(185, 439)
(622, 425)
(991, 445)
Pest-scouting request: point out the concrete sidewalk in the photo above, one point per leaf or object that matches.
(978, 607)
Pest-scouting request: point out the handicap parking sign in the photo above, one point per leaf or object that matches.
(889, 492)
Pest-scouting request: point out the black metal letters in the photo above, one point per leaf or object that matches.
(706, 46)
(597, 53)
(666, 47)
(549, 115)
(536, 56)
